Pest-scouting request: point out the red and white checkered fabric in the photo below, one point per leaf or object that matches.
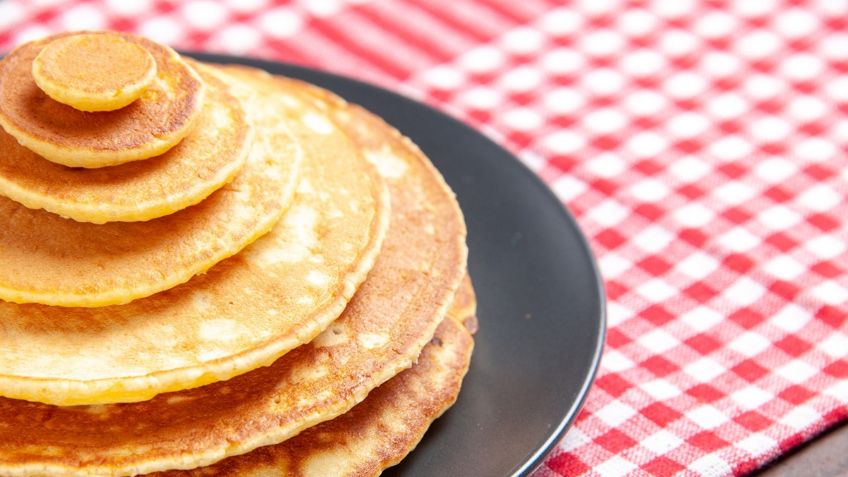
(703, 147)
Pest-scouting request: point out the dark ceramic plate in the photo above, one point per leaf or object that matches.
(541, 301)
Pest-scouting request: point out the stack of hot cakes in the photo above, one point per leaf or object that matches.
(211, 270)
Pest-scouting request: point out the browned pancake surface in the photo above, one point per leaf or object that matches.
(100, 71)
(204, 161)
(381, 430)
(381, 332)
(149, 126)
(243, 313)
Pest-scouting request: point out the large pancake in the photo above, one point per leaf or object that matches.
(373, 435)
(381, 430)
(381, 332)
(243, 313)
(148, 127)
(209, 157)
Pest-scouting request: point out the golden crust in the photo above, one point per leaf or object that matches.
(54, 261)
(243, 313)
(148, 127)
(99, 71)
(381, 430)
(381, 332)
(209, 157)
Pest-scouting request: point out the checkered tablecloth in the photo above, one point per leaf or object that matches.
(703, 147)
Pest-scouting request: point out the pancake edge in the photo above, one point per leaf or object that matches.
(395, 445)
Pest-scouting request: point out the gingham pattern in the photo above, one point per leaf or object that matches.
(701, 145)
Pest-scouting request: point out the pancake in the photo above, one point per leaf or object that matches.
(392, 316)
(148, 127)
(241, 314)
(381, 430)
(94, 71)
(50, 260)
(209, 157)
(375, 434)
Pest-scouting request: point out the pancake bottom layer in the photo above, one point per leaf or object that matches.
(381, 430)
(390, 319)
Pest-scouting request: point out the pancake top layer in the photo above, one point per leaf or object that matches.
(147, 127)
(94, 71)
(205, 160)
(381, 332)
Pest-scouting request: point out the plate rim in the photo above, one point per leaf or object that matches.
(572, 410)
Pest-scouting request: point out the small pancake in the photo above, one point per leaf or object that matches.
(209, 157)
(381, 430)
(148, 127)
(394, 313)
(99, 71)
(243, 313)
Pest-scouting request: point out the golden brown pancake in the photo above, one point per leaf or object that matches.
(209, 157)
(148, 127)
(381, 430)
(381, 332)
(243, 313)
(99, 71)
(54, 261)
(375, 434)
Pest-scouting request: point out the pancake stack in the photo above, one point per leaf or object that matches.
(210, 270)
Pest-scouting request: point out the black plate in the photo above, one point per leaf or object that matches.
(541, 301)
